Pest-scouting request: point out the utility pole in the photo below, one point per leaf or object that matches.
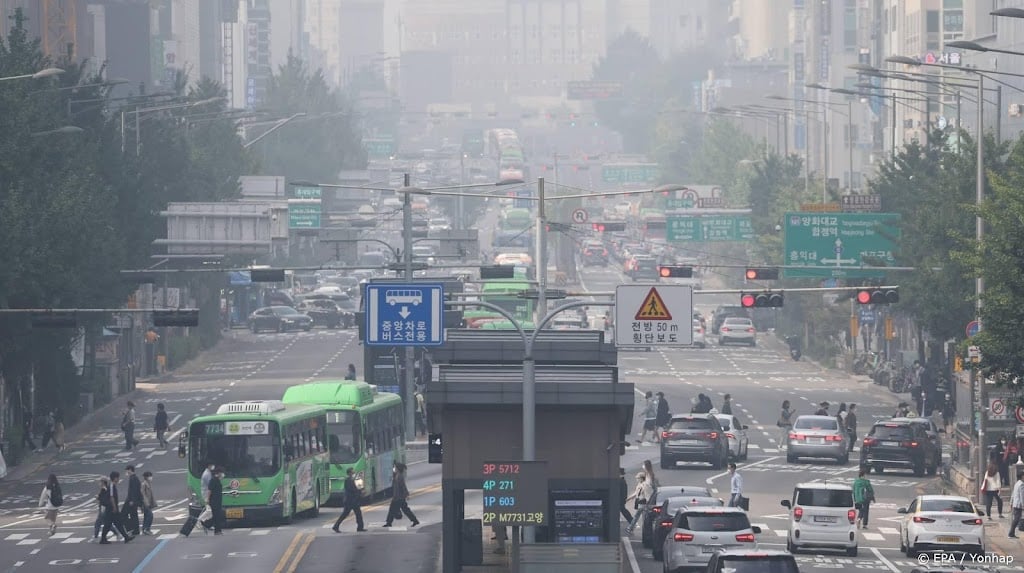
(979, 282)
(410, 352)
(542, 256)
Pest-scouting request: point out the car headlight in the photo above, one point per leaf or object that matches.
(193, 498)
(275, 497)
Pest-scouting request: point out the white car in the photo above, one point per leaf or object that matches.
(697, 534)
(943, 523)
(736, 432)
(736, 329)
(699, 339)
(822, 515)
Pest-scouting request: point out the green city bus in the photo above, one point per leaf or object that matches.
(274, 457)
(365, 431)
(504, 293)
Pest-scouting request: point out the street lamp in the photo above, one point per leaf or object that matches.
(43, 73)
(277, 125)
(849, 123)
(1008, 12)
(66, 129)
(976, 47)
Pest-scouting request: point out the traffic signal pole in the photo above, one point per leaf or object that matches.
(410, 352)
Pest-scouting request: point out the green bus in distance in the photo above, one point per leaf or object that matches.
(274, 455)
(365, 432)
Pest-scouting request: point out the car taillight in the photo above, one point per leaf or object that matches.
(724, 329)
(731, 436)
(656, 509)
(851, 514)
(667, 435)
(919, 519)
(793, 436)
(682, 537)
(798, 512)
(750, 330)
(833, 438)
(713, 435)
(745, 537)
(908, 444)
(666, 523)
(972, 522)
(870, 441)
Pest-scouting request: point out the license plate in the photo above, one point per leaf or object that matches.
(688, 442)
(824, 519)
(891, 444)
(816, 440)
(235, 513)
(948, 539)
(708, 549)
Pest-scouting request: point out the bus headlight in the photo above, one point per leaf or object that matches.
(275, 497)
(358, 479)
(193, 498)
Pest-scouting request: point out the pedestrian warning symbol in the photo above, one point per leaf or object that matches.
(653, 308)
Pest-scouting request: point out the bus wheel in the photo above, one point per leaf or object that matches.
(286, 520)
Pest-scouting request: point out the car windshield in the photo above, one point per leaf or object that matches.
(891, 432)
(714, 521)
(737, 322)
(676, 503)
(240, 455)
(758, 564)
(955, 505)
(690, 424)
(815, 424)
(824, 497)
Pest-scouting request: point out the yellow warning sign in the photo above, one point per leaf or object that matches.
(653, 308)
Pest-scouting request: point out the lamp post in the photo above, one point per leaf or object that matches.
(278, 125)
(849, 124)
(139, 111)
(63, 130)
(43, 73)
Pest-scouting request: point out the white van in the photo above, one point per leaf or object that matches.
(822, 515)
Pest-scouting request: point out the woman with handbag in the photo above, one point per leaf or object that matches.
(641, 496)
(785, 423)
(863, 497)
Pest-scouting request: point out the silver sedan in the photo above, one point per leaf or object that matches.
(817, 437)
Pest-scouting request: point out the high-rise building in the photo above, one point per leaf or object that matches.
(345, 36)
(763, 29)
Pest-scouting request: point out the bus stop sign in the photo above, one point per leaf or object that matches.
(404, 314)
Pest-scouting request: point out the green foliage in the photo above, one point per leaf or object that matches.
(999, 258)
(317, 146)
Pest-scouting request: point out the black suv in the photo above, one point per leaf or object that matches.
(594, 255)
(694, 438)
(325, 312)
(899, 444)
(727, 311)
(645, 269)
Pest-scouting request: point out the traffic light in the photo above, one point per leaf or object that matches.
(175, 318)
(878, 296)
(766, 299)
(675, 272)
(497, 272)
(266, 275)
(609, 227)
(762, 274)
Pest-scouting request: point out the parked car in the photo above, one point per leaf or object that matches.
(279, 318)
(694, 438)
(752, 561)
(817, 437)
(902, 445)
(822, 515)
(941, 523)
(737, 330)
(323, 311)
(697, 534)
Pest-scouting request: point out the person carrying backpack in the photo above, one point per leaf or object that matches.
(50, 500)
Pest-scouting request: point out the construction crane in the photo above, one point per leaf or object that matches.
(59, 28)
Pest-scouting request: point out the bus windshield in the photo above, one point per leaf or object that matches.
(343, 436)
(240, 455)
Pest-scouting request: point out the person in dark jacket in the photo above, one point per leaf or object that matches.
(663, 415)
(111, 516)
(353, 497)
(727, 404)
(624, 491)
(132, 502)
(160, 425)
(215, 500)
(400, 498)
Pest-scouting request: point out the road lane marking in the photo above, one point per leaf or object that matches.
(711, 479)
(149, 557)
(887, 563)
(301, 552)
(286, 557)
(627, 543)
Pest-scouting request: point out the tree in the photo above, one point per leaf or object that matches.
(723, 146)
(632, 61)
(317, 146)
(999, 259)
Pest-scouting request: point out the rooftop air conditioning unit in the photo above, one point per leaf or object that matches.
(251, 407)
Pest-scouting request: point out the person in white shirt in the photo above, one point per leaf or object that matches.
(1017, 503)
(735, 486)
(642, 494)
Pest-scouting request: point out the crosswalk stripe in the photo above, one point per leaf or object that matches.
(889, 530)
(781, 532)
(873, 536)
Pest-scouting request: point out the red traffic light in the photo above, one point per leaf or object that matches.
(751, 274)
(677, 272)
(878, 296)
(766, 299)
(747, 300)
(864, 297)
(599, 227)
(762, 274)
(665, 272)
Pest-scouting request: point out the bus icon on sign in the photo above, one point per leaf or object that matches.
(413, 297)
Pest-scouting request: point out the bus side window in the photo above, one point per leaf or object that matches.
(289, 450)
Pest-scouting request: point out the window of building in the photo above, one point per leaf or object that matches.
(932, 22)
(953, 21)
(954, 4)
(850, 25)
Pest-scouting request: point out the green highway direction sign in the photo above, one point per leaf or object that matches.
(630, 172)
(710, 228)
(684, 203)
(304, 214)
(379, 147)
(837, 241)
